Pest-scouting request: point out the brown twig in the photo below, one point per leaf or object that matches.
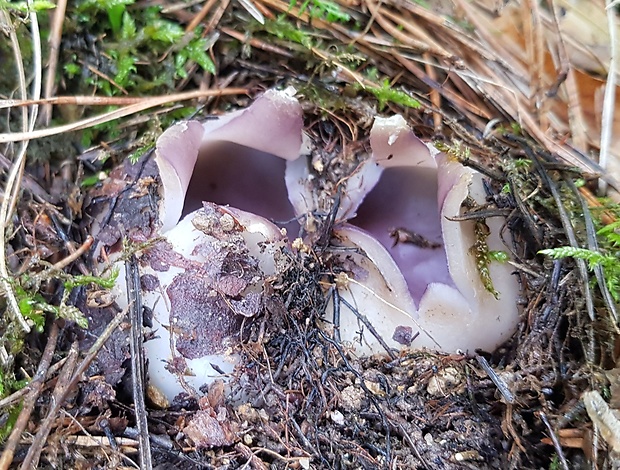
(75, 254)
(197, 19)
(554, 439)
(34, 453)
(58, 20)
(7, 455)
(19, 394)
(35, 388)
(138, 375)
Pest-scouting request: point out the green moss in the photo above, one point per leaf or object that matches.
(483, 256)
(386, 94)
(324, 10)
(11, 418)
(282, 28)
(24, 7)
(608, 253)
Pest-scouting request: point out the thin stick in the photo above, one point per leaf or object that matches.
(52, 62)
(200, 16)
(94, 349)
(554, 439)
(17, 396)
(609, 101)
(13, 181)
(361, 317)
(497, 380)
(34, 453)
(132, 277)
(76, 100)
(76, 254)
(35, 389)
(381, 299)
(407, 437)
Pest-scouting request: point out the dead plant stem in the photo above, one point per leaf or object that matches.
(52, 62)
(119, 113)
(138, 373)
(13, 182)
(34, 453)
(36, 386)
(609, 101)
(75, 254)
(60, 397)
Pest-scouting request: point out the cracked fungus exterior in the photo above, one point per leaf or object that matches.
(203, 322)
(206, 305)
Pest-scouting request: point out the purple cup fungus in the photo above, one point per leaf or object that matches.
(419, 284)
(210, 270)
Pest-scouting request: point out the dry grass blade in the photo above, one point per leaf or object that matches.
(603, 418)
(252, 10)
(609, 101)
(13, 183)
(499, 383)
(119, 113)
(594, 247)
(570, 232)
(75, 100)
(556, 443)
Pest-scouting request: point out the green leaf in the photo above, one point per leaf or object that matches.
(115, 16)
(71, 70)
(594, 258)
(609, 263)
(103, 5)
(329, 11)
(31, 309)
(179, 64)
(386, 94)
(612, 233)
(282, 28)
(71, 313)
(323, 9)
(522, 163)
(92, 180)
(498, 255)
(10, 419)
(135, 155)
